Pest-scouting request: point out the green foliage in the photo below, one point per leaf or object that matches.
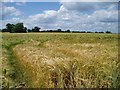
(59, 30)
(19, 28)
(15, 28)
(108, 32)
(68, 30)
(9, 27)
(36, 29)
(4, 30)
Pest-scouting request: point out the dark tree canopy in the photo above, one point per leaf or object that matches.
(59, 30)
(107, 32)
(29, 30)
(19, 28)
(36, 29)
(4, 30)
(25, 29)
(9, 27)
(68, 30)
(15, 28)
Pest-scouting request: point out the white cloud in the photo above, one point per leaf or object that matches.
(46, 19)
(13, 21)
(79, 6)
(72, 16)
(20, 3)
(89, 7)
(106, 16)
(9, 11)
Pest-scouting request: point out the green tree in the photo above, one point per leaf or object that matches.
(19, 28)
(4, 30)
(25, 29)
(29, 30)
(68, 30)
(108, 32)
(59, 30)
(9, 27)
(36, 29)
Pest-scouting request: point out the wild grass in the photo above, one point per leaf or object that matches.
(63, 60)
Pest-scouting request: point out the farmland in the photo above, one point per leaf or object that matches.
(59, 60)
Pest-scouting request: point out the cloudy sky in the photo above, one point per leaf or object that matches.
(89, 16)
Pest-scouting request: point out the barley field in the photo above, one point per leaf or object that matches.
(60, 60)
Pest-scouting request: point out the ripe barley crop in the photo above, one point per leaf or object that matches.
(62, 60)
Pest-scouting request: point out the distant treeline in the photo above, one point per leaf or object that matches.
(19, 28)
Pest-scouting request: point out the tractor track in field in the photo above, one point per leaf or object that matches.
(13, 76)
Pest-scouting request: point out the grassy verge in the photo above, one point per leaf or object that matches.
(13, 75)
